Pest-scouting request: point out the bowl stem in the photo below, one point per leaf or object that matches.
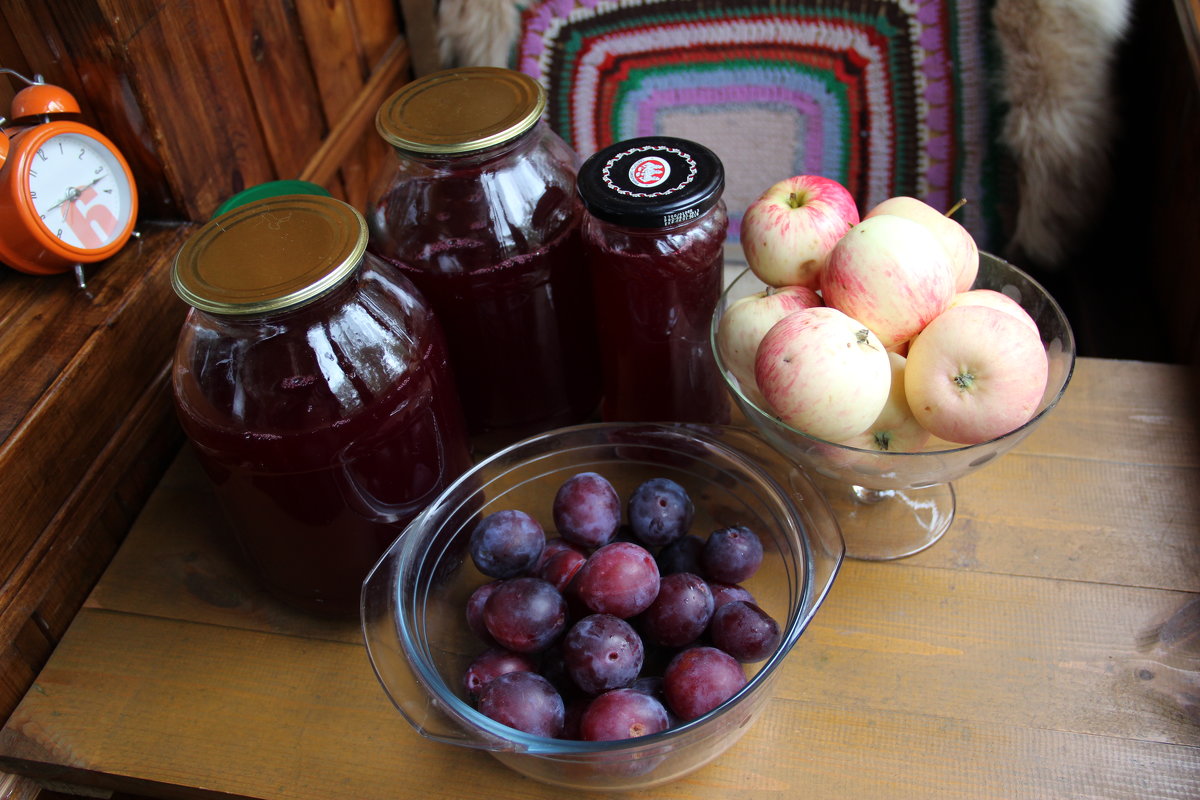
(886, 524)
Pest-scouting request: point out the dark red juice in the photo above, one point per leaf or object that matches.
(654, 238)
(516, 310)
(324, 433)
(655, 296)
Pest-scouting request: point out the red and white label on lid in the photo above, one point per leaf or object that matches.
(649, 172)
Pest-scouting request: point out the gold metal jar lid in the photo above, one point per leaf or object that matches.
(270, 255)
(459, 111)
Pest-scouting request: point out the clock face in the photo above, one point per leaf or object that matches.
(80, 191)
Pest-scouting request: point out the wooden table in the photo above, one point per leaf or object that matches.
(1048, 646)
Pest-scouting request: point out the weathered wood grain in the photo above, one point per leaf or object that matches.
(205, 99)
(317, 720)
(88, 427)
(1040, 650)
(272, 54)
(355, 130)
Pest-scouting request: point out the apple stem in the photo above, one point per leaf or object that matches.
(796, 199)
(962, 201)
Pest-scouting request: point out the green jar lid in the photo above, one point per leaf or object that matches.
(458, 111)
(270, 255)
(270, 189)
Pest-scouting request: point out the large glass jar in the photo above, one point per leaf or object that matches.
(479, 209)
(654, 240)
(312, 381)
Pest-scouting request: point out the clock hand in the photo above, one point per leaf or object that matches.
(74, 192)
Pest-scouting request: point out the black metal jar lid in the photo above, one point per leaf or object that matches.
(651, 182)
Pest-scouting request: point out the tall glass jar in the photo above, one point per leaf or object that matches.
(479, 209)
(312, 381)
(655, 244)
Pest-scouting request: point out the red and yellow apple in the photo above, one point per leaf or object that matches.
(823, 373)
(975, 373)
(895, 430)
(891, 274)
(788, 231)
(996, 300)
(958, 242)
(744, 324)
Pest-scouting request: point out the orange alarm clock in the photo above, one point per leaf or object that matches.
(67, 196)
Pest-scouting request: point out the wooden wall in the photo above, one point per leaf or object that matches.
(205, 98)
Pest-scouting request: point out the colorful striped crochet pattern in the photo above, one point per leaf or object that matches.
(886, 96)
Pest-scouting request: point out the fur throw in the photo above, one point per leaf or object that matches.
(1056, 84)
(477, 33)
(1057, 79)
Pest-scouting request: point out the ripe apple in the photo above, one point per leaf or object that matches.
(996, 300)
(974, 374)
(823, 373)
(745, 323)
(891, 274)
(958, 241)
(895, 430)
(788, 231)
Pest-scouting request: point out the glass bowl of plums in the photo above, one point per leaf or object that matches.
(606, 606)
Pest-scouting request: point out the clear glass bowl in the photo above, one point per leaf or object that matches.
(892, 505)
(414, 599)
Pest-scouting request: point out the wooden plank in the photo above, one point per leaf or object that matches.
(376, 27)
(1050, 654)
(12, 58)
(322, 724)
(354, 134)
(197, 572)
(1104, 521)
(46, 319)
(338, 68)
(89, 435)
(34, 29)
(194, 97)
(45, 590)
(420, 26)
(53, 447)
(948, 677)
(1078, 532)
(1123, 411)
(72, 44)
(270, 47)
(1030, 619)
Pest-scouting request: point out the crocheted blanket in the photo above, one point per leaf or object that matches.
(886, 96)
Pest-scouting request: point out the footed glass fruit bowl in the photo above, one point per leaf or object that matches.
(413, 602)
(894, 504)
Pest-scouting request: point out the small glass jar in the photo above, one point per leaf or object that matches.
(655, 244)
(312, 381)
(480, 212)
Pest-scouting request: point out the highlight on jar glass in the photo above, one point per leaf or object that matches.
(632, 641)
(478, 208)
(312, 382)
(978, 379)
(655, 244)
